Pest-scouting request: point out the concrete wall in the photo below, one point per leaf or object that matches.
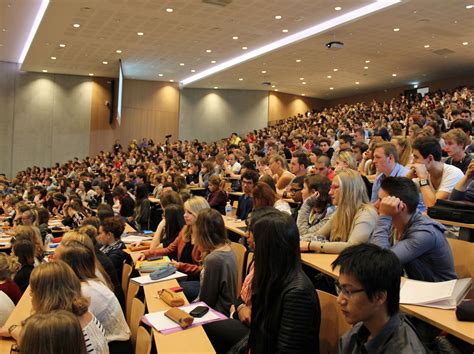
(284, 105)
(209, 115)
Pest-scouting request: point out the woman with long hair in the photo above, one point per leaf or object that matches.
(285, 308)
(346, 159)
(218, 279)
(9, 265)
(403, 145)
(142, 208)
(264, 196)
(217, 197)
(353, 220)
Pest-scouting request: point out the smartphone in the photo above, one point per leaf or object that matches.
(199, 311)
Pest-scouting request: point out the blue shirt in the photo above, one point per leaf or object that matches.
(397, 171)
(244, 207)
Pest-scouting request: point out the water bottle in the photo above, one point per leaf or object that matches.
(228, 211)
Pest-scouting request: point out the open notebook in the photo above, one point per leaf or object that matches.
(443, 295)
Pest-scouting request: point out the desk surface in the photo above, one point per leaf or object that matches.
(443, 319)
(455, 223)
(192, 340)
(233, 225)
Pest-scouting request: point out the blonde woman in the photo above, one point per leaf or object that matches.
(403, 145)
(346, 159)
(281, 176)
(353, 220)
(9, 265)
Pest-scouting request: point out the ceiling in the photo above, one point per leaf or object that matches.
(183, 36)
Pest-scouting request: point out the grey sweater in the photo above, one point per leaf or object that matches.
(219, 280)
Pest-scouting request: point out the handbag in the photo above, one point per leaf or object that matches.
(163, 272)
(171, 298)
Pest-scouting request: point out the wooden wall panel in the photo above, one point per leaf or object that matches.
(284, 105)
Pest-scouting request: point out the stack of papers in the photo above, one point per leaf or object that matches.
(443, 295)
(145, 279)
(135, 238)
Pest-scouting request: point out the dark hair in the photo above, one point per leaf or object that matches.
(174, 216)
(465, 110)
(462, 124)
(277, 261)
(360, 261)
(321, 184)
(404, 189)
(43, 216)
(250, 175)
(268, 180)
(210, 230)
(104, 186)
(302, 158)
(92, 221)
(428, 145)
(115, 225)
(347, 138)
(80, 258)
(263, 195)
(363, 147)
(141, 192)
(104, 211)
(25, 251)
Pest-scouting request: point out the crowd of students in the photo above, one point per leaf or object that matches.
(354, 180)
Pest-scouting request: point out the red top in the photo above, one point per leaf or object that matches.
(12, 290)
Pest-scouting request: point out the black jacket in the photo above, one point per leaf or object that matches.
(297, 328)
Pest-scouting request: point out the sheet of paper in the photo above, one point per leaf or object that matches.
(420, 292)
(145, 279)
(133, 238)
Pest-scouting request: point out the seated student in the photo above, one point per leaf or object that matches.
(419, 241)
(281, 175)
(323, 167)
(24, 250)
(264, 196)
(245, 204)
(316, 208)
(110, 231)
(43, 220)
(75, 211)
(58, 332)
(455, 141)
(9, 266)
(464, 189)
(403, 146)
(219, 268)
(369, 301)
(435, 179)
(354, 219)
(127, 204)
(31, 234)
(6, 307)
(285, 308)
(142, 208)
(217, 197)
(346, 159)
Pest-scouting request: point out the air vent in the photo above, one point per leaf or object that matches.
(443, 52)
(217, 2)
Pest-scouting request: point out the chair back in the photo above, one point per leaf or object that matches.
(143, 342)
(463, 254)
(126, 271)
(138, 310)
(239, 251)
(131, 294)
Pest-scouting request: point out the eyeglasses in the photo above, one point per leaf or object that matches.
(345, 292)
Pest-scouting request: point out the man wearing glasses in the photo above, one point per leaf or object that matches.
(369, 300)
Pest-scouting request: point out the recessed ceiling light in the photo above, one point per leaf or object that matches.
(213, 61)
(303, 94)
(235, 37)
(329, 76)
(366, 67)
(367, 61)
(465, 43)
(357, 82)
(76, 25)
(273, 86)
(331, 88)
(277, 17)
(45, 71)
(181, 64)
(301, 78)
(160, 75)
(469, 6)
(275, 90)
(338, 8)
(91, 74)
(394, 75)
(335, 69)
(193, 71)
(171, 80)
(62, 45)
(284, 30)
(140, 33)
(244, 48)
(208, 51)
(118, 51)
(105, 62)
(240, 79)
(53, 58)
(426, 46)
(169, 10)
(396, 29)
(264, 71)
(303, 83)
(298, 60)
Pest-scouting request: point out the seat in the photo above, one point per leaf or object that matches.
(240, 252)
(126, 271)
(131, 294)
(137, 311)
(143, 342)
(333, 324)
(463, 254)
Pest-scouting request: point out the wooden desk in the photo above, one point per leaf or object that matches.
(443, 319)
(466, 231)
(233, 226)
(192, 340)
(129, 228)
(455, 223)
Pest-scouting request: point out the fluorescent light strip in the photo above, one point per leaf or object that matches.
(309, 32)
(34, 28)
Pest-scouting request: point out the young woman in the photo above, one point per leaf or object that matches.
(219, 271)
(24, 250)
(76, 212)
(142, 208)
(103, 303)
(285, 309)
(57, 332)
(9, 266)
(345, 159)
(404, 150)
(316, 208)
(265, 196)
(173, 224)
(217, 197)
(33, 235)
(353, 220)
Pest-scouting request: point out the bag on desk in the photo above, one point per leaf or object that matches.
(163, 272)
(452, 211)
(180, 317)
(171, 298)
(465, 311)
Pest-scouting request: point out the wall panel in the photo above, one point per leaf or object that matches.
(7, 108)
(284, 105)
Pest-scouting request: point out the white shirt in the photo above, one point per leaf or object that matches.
(451, 176)
(6, 307)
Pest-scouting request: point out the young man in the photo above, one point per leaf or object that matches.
(323, 167)
(455, 140)
(435, 179)
(418, 241)
(245, 205)
(369, 301)
(298, 163)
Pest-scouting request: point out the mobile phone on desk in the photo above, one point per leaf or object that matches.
(199, 311)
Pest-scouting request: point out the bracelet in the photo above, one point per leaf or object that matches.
(11, 329)
(309, 244)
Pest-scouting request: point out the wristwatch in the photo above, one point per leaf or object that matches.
(11, 329)
(424, 182)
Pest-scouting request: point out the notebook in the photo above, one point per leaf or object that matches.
(145, 279)
(443, 295)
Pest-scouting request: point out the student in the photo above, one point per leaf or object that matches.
(265, 196)
(6, 307)
(217, 197)
(33, 235)
(58, 332)
(435, 179)
(9, 266)
(464, 189)
(219, 270)
(403, 146)
(24, 250)
(285, 308)
(455, 141)
(281, 175)
(76, 212)
(369, 301)
(316, 208)
(245, 204)
(353, 220)
(419, 241)
(142, 208)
